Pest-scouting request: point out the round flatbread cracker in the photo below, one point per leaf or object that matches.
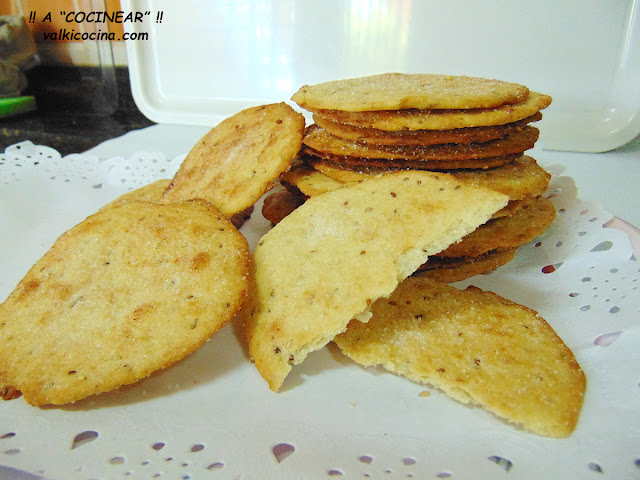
(234, 164)
(382, 164)
(394, 91)
(519, 179)
(518, 142)
(478, 348)
(130, 290)
(154, 193)
(422, 137)
(357, 243)
(449, 270)
(506, 232)
(414, 119)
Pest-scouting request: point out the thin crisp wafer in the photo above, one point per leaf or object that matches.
(391, 91)
(422, 137)
(236, 162)
(449, 269)
(478, 348)
(130, 290)
(314, 157)
(506, 232)
(518, 142)
(328, 260)
(414, 119)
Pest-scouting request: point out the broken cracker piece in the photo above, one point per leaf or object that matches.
(332, 257)
(478, 348)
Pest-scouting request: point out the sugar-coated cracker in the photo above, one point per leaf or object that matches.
(422, 137)
(236, 162)
(327, 261)
(313, 157)
(414, 119)
(129, 290)
(154, 193)
(492, 352)
(506, 232)
(519, 179)
(449, 269)
(392, 91)
(518, 142)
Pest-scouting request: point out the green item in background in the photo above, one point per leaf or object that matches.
(16, 105)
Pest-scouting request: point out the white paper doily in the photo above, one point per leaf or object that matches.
(212, 416)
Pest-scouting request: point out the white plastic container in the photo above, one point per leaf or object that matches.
(205, 60)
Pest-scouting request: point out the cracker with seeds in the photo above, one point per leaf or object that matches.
(128, 291)
(327, 261)
(394, 91)
(313, 157)
(322, 141)
(506, 232)
(311, 181)
(455, 269)
(519, 179)
(422, 137)
(414, 119)
(234, 164)
(154, 193)
(478, 348)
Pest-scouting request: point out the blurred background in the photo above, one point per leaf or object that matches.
(73, 94)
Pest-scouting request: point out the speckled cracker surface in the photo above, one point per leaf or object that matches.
(439, 269)
(506, 232)
(380, 165)
(311, 181)
(327, 261)
(130, 290)
(414, 119)
(151, 192)
(234, 164)
(392, 91)
(422, 137)
(477, 347)
(521, 178)
(322, 141)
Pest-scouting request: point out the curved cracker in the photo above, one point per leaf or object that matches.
(357, 243)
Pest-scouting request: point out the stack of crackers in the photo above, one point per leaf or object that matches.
(397, 171)
(475, 129)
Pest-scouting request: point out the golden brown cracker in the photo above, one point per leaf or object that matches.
(151, 192)
(514, 206)
(309, 180)
(392, 91)
(234, 164)
(278, 205)
(154, 193)
(129, 290)
(314, 157)
(422, 137)
(450, 269)
(505, 232)
(519, 179)
(478, 348)
(328, 260)
(322, 141)
(414, 119)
